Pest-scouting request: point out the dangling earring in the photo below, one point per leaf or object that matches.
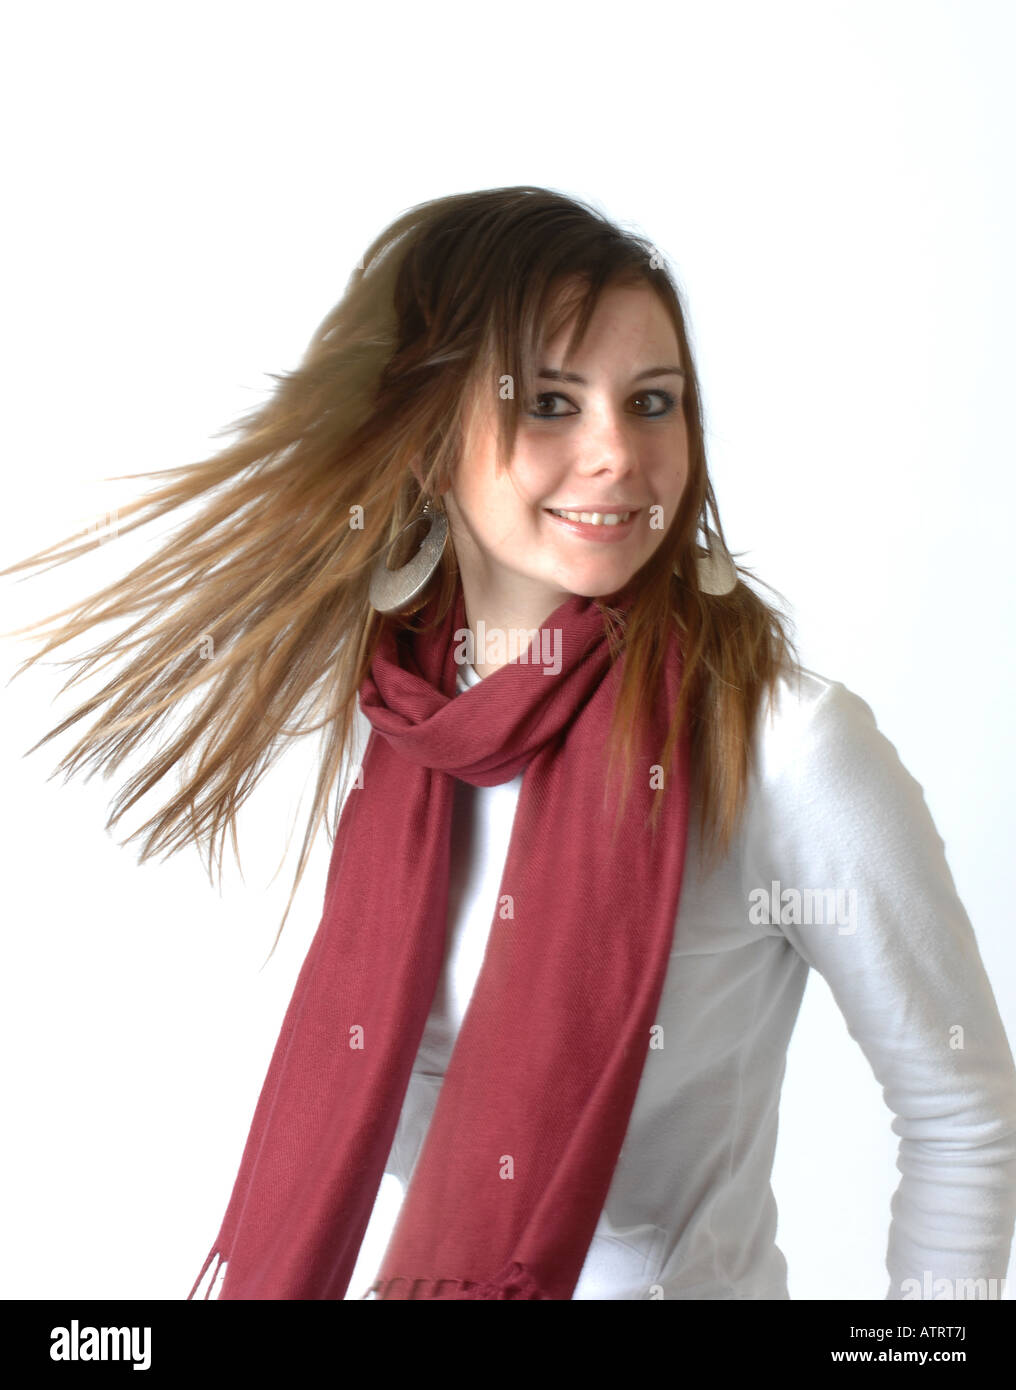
(717, 574)
(392, 590)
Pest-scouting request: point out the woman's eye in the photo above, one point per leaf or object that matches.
(548, 396)
(669, 402)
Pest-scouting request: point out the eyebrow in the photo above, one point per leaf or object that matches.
(550, 374)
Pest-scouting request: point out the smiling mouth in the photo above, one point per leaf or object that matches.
(594, 518)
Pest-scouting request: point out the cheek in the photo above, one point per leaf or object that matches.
(478, 491)
(537, 475)
(668, 471)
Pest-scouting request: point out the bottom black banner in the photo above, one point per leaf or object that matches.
(67, 1340)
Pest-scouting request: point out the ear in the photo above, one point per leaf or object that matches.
(417, 473)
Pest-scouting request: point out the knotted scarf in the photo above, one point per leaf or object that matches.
(519, 1155)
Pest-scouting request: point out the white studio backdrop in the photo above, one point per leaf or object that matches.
(189, 187)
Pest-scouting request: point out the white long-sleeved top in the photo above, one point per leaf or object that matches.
(690, 1213)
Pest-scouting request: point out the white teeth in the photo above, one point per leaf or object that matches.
(595, 518)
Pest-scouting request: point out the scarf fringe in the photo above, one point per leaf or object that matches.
(213, 1254)
(514, 1282)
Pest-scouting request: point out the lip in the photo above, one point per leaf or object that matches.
(605, 535)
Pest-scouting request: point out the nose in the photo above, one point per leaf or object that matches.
(607, 444)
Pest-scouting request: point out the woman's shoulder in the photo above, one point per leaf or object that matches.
(819, 745)
(805, 709)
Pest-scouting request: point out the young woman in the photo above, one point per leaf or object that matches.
(597, 822)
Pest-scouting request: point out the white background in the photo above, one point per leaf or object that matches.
(188, 188)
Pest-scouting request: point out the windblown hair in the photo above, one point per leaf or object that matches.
(263, 595)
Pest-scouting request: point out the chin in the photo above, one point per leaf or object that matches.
(590, 587)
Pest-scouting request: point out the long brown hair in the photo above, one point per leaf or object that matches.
(263, 595)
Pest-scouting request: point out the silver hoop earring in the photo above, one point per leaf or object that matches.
(717, 574)
(391, 590)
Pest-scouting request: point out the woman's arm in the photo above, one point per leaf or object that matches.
(838, 811)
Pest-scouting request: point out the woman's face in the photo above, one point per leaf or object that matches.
(613, 443)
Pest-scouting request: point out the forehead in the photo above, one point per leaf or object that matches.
(627, 318)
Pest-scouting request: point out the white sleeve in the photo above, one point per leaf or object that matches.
(837, 810)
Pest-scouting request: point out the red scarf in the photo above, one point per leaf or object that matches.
(519, 1155)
